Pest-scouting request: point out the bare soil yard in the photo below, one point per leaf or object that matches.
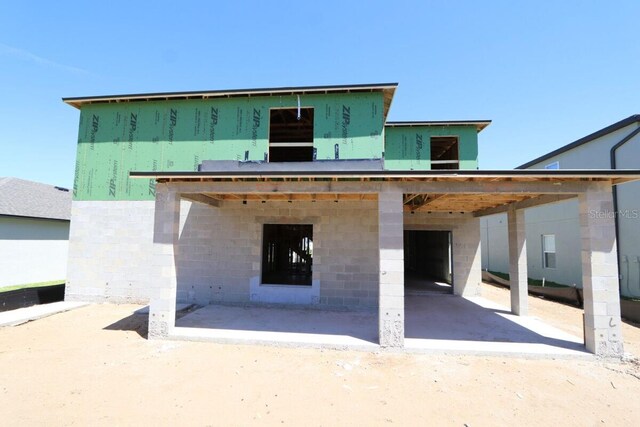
(92, 366)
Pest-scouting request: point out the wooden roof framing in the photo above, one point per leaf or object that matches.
(477, 192)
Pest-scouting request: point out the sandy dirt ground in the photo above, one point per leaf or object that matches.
(93, 366)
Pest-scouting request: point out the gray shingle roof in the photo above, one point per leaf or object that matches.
(19, 197)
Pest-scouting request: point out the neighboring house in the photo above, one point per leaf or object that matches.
(303, 195)
(34, 232)
(553, 231)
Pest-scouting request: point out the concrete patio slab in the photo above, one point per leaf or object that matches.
(179, 307)
(27, 314)
(433, 324)
(281, 326)
(474, 325)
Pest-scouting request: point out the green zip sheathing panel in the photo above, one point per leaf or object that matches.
(408, 147)
(117, 138)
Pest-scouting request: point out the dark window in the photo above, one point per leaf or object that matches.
(444, 152)
(290, 135)
(287, 254)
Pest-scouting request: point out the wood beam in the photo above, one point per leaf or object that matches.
(201, 198)
(533, 188)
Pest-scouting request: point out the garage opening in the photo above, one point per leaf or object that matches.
(427, 262)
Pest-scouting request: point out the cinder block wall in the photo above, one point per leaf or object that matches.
(219, 252)
(110, 251)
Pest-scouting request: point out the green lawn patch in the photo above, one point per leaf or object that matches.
(32, 285)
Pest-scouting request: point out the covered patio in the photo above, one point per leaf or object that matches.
(434, 324)
(450, 200)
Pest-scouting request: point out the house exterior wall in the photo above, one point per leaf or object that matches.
(561, 219)
(495, 243)
(110, 251)
(408, 148)
(32, 250)
(219, 251)
(111, 235)
(628, 157)
(114, 139)
(592, 155)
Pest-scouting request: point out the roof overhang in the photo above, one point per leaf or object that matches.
(387, 89)
(478, 124)
(456, 191)
(617, 175)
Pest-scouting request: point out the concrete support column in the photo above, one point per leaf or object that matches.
(600, 272)
(518, 277)
(467, 258)
(390, 238)
(162, 277)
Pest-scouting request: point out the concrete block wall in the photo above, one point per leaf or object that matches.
(465, 230)
(518, 278)
(602, 327)
(391, 255)
(220, 252)
(161, 283)
(110, 251)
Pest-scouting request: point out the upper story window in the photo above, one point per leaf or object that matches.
(444, 152)
(554, 165)
(290, 135)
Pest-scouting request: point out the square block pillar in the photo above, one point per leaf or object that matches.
(600, 272)
(162, 277)
(518, 280)
(391, 248)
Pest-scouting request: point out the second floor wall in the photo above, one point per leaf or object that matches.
(116, 138)
(177, 135)
(431, 147)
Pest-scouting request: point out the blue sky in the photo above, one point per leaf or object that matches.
(545, 72)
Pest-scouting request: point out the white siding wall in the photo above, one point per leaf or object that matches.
(495, 243)
(628, 157)
(32, 250)
(562, 218)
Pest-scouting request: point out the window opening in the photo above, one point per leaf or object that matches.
(291, 134)
(287, 254)
(444, 152)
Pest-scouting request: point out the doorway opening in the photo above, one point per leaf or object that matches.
(427, 262)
